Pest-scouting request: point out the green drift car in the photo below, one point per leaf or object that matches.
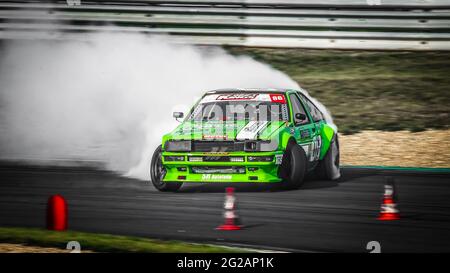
(248, 135)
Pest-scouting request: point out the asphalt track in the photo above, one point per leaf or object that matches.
(322, 216)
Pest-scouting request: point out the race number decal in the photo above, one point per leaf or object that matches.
(278, 98)
(315, 149)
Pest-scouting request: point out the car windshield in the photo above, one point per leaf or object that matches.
(253, 107)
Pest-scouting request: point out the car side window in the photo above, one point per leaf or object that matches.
(315, 112)
(298, 108)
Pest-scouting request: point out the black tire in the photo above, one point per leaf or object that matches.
(157, 172)
(293, 166)
(329, 168)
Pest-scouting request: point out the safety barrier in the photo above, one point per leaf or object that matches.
(345, 24)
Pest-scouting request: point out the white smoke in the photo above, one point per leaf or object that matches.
(109, 99)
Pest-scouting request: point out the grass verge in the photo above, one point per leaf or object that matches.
(103, 242)
(369, 90)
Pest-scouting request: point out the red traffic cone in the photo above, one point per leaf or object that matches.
(232, 221)
(389, 209)
(56, 213)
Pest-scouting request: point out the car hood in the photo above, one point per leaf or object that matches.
(218, 130)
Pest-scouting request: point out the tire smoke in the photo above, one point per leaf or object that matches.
(110, 99)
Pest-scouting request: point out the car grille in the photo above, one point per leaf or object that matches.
(212, 158)
(217, 146)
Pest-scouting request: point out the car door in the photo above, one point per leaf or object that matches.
(316, 119)
(304, 130)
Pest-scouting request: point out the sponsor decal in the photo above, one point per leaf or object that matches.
(237, 97)
(278, 98)
(306, 148)
(215, 137)
(304, 133)
(278, 159)
(251, 130)
(208, 176)
(206, 126)
(219, 153)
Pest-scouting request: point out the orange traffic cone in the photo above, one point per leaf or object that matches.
(232, 221)
(389, 209)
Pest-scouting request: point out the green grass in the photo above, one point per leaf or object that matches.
(369, 90)
(103, 242)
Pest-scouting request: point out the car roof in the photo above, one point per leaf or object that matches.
(249, 90)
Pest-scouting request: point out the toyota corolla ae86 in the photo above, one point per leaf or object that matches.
(250, 136)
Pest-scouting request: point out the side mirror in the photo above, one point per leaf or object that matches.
(178, 115)
(300, 117)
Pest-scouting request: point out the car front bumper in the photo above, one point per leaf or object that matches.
(222, 171)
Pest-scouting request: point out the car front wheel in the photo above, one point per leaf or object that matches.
(293, 166)
(157, 172)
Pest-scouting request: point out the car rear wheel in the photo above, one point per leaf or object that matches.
(329, 168)
(293, 166)
(157, 172)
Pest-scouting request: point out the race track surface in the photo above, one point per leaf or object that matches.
(322, 216)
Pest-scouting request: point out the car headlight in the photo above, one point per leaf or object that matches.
(261, 146)
(173, 158)
(178, 146)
